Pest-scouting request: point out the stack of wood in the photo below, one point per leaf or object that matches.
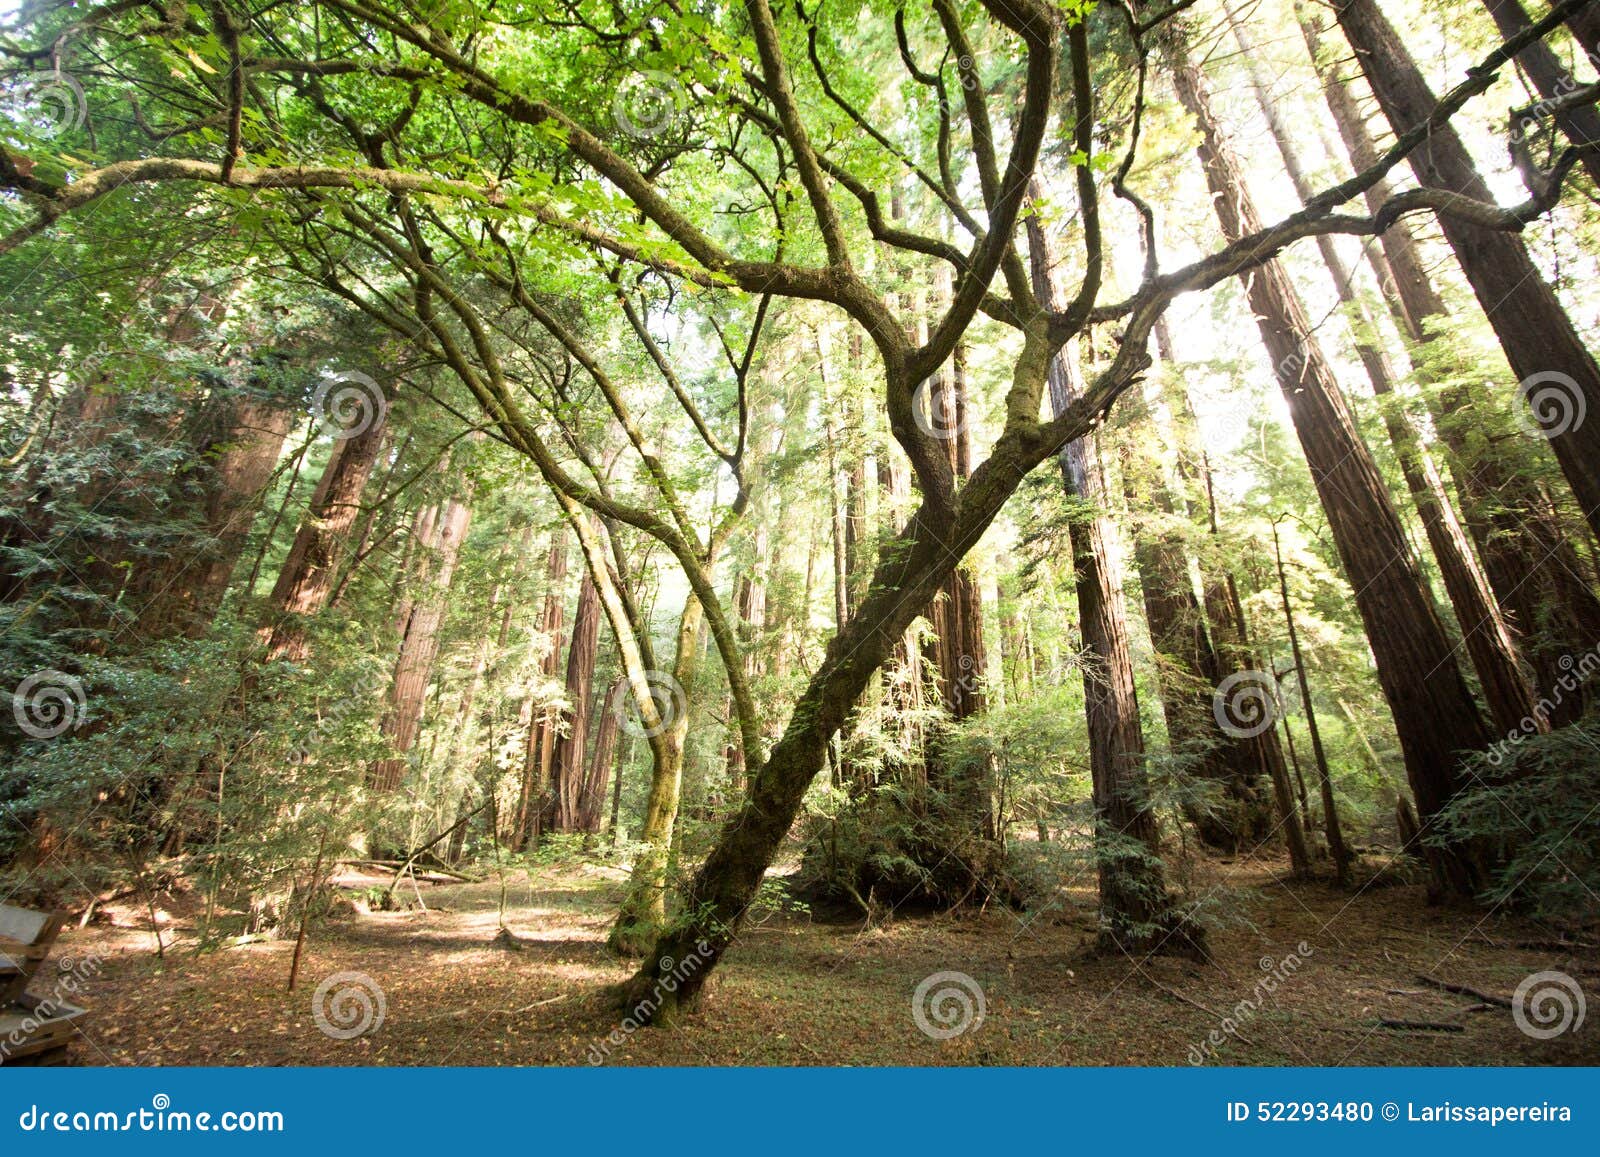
(34, 1030)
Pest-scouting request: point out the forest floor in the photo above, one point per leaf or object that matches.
(795, 991)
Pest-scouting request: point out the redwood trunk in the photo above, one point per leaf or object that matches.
(602, 759)
(1189, 670)
(419, 641)
(1487, 639)
(1540, 342)
(242, 451)
(567, 768)
(1135, 910)
(539, 754)
(1551, 80)
(1527, 559)
(1434, 714)
(306, 580)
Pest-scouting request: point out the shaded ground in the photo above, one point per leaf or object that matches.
(799, 992)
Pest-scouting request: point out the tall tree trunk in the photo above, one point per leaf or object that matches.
(240, 451)
(1433, 710)
(419, 641)
(1330, 810)
(643, 913)
(1136, 912)
(1584, 24)
(1551, 80)
(1236, 658)
(750, 604)
(602, 759)
(1527, 558)
(1484, 632)
(1559, 379)
(1188, 669)
(306, 579)
(543, 733)
(567, 768)
(957, 652)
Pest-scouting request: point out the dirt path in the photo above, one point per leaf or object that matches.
(798, 992)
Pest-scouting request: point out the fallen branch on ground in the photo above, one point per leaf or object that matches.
(1419, 1026)
(1463, 990)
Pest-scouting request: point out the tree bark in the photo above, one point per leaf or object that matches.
(1259, 755)
(1551, 80)
(419, 641)
(1330, 810)
(306, 579)
(1527, 558)
(539, 753)
(1544, 349)
(1584, 24)
(957, 651)
(602, 758)
(750, 604)
(1189, 669)
(1136, 913)
(239, 453)
(1433, 710)
(1484, 632)
(568, 770)
(643, 913)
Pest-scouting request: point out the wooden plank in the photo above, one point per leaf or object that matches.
(23, 924)
(20, 951)
(24, 1034)
(55, 1055)
(37, 1048)
(63, 1010)
(26, 937)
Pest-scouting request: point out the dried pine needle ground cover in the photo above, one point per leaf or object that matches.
(797, 991)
